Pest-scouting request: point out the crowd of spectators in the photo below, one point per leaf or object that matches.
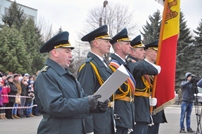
(17, 96)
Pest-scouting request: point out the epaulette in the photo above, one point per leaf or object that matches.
(44, 69)
(88, 60)
(130, 60)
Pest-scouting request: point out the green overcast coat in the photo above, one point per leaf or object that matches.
(61, 101)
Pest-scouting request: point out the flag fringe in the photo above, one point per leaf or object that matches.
(163, 106)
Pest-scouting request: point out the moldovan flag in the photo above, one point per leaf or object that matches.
(164, 83)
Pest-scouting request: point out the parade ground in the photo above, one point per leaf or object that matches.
(29, 125)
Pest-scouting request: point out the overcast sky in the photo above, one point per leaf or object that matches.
(71, 14)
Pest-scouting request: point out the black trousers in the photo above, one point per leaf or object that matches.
(121, 130)
(153, 129)
(9, 111)
(140, 128)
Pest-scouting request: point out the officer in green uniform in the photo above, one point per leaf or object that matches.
(124, 96)
(92, 74)
(58, 94)
(140, 69)
(151, 55)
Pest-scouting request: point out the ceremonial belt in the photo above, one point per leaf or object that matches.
(137, 93)
(130, 84)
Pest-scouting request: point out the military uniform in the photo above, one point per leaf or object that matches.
(57, 99)
(124, 97)
(142, 107)
(140, 69)
(58, 94)
(157, 119)
(97, 123)
(124, 106)
(91, 75)
(160, 116)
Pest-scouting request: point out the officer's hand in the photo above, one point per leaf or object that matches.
(93, 102)
(152, 101)
(103, 106)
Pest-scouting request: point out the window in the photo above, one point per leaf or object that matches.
(6, 11)
(31, 17)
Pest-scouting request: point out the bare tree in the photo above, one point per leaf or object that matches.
(45, 29)
(115, 15)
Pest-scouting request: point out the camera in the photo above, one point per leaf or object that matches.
(194, 81)
(196, 78)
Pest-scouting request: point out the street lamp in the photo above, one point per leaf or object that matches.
(104, 5)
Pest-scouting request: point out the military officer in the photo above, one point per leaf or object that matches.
(92, 75)
(58, 94)
(151, 50)
(124, 96)
(140, 68)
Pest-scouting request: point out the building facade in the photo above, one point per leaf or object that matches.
(28, 11)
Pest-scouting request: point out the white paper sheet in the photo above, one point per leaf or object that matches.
(112, 83)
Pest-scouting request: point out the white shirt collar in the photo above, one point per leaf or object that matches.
(120, 57)
(101, 58)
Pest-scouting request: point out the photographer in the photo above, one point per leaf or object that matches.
(188, 90)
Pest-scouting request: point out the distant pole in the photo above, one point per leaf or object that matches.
(100, 20)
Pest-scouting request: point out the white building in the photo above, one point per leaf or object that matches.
(28, 11)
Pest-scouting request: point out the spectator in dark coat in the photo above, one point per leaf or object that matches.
(13, 91)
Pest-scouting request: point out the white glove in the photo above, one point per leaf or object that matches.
(152, 101)
(91, 133)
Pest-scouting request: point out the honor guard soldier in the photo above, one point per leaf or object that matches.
(140, 68)
(58, 94)
(92, 74)
(124, 96)
(151, 50)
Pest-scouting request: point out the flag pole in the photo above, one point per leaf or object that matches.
(159, 47)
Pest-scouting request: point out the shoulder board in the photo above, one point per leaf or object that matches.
(44, 69)
(82, 65)
(130, 60)
(88, 60)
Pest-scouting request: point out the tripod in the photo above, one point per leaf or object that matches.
(198, 112)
